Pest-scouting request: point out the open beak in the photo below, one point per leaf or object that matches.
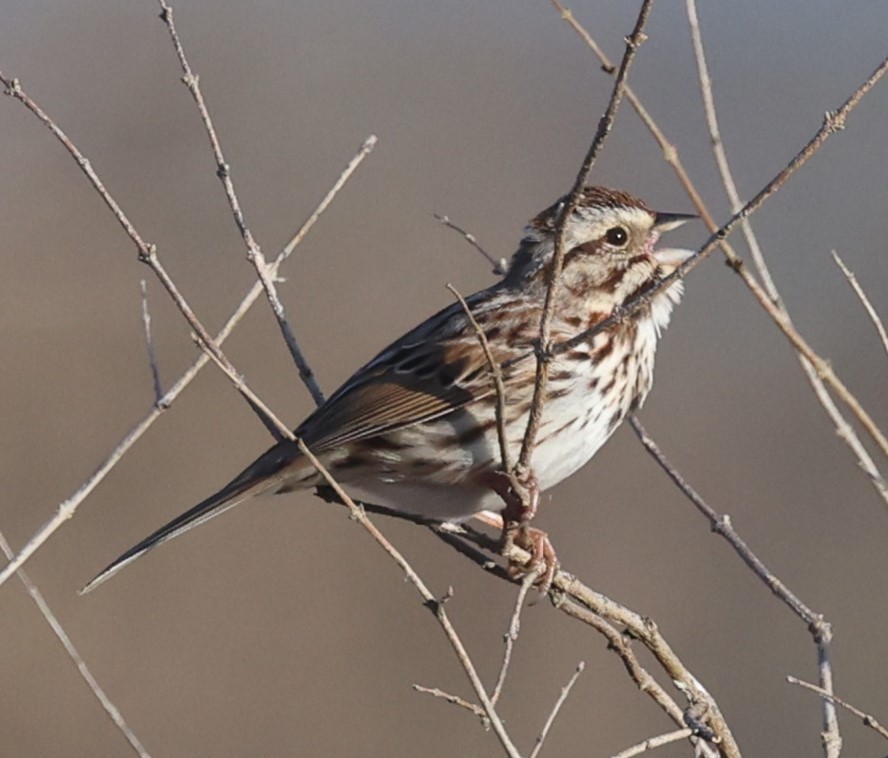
(666, 222)
(671, 258)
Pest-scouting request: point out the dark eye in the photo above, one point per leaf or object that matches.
(616, 236)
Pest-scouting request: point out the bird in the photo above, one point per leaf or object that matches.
(415, 429)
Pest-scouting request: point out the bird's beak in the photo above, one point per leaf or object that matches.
(666, 222)
(671, 258)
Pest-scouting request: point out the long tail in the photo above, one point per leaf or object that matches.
(262, 475)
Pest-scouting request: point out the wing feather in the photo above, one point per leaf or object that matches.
(415, 380)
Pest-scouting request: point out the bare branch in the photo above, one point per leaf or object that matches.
(655, 742)
(845, 431)
(721, 157)
(544, 349)
(149, 344)
(455, 700)
(868, 720)
(511, 635)
(820, 629)
(113, 712)
(864, 300)
(497, 375)
(499, 267)
(254, 252)
(565, 692)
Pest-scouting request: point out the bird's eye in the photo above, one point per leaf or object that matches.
(616, 236)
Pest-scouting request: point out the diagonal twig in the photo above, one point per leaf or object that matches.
(654, 742)
(499, 267)
(819, 628)
(254, 252)
(454, 700)
(511, 635)
(149, 344)
(864, 300)
(497, 375)
(544, 348)
(868, 720)
(112, 710)
(565, 692)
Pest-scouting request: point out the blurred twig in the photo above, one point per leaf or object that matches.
(845, 430)
(565, 692)
(864, 300)
(832, 739)
(113, 712)
(868, 720)
(149, 343)
(511, 635)
(655, 742)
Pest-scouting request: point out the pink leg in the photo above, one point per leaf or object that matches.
(520, 509)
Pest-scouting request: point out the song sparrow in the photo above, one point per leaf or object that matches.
(415, 429)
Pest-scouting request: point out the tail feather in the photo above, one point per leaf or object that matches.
(263, 475)
(203, 511)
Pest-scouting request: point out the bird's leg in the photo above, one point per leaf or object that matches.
(521, 496)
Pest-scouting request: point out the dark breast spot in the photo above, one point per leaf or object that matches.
(605, 349)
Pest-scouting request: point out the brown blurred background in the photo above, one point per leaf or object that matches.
(280, 629)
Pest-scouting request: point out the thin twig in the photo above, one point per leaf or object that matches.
(68, 507)
(654, 742)
(672, 157)
(497, 375)
(864, 300)
(565, 692)
(544, 349)
(149, 344)
(455, 700)
(254, 252)
(113, 712)
(868, 720)
(819, 628)
(500, 267)
(721, 157)
(511, 635)
(269, 417)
